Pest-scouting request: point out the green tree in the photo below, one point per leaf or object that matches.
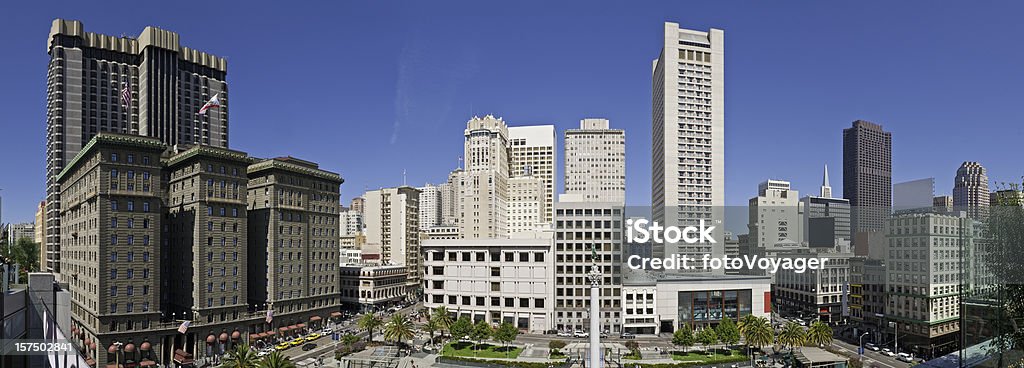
(683, 337)
(792, 335)
(25, 253)
(276, 360)
(461, 328)
(727, 332)
(555, 345)
(819, 334)
(443, 318)
(757, 332)
(242, 356)
(369, 322)
(431, 326)
(481, 331)
(634, 348)
(506, 333)
(398, 329)
(349, 339)
(707, 337)
(746, 321)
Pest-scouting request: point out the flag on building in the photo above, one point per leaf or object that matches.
(270, 315)
(213, 102)
(126, 95)
(184, 326)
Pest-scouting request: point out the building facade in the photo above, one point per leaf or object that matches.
(688, 150)
(527, 204)
(587, 234)
(532, 152)
(429, 207)
(595, 161)
(392, 223)
(293, 241)
(868, 297)
(372, 288)
(775, 215)
(483, 185)
(656, 303)
(493, 280)
(822, 294)
(86, 76)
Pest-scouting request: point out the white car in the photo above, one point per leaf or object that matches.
(887, 352)
(871, 347)
(580, 334)
(904, 357)
(564, 334)
(328, 331)
(262, 353)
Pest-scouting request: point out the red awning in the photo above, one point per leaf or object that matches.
(91, 362)
(301, 325)
(270, 333)
(147, 363)
(292, 327)
(314, 318)
(335, 314)
(284, 328)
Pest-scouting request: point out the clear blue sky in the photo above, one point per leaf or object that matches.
(369, 89)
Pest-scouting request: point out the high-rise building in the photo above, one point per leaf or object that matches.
(588, 234)
(483, 185)
(18, 231)
(867, 175)
(111, 218)
(450, 199)
(430, 206)
(868, 297)
(39, 235)
(392, 224)
(293, 240)
(821, 293)
(775, 215)
(826, 219)
(914, 195)
(86, 79)
(595, 162)
(532, 151)
(205, 256)
(351, 222)
(970, 190)
(527, 204)
(928, 272)
(688, 150)
(357, 204)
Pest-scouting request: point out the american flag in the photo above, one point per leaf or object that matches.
(126, 95)
(184, 326)
(270, 315)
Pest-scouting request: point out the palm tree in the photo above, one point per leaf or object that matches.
(276, 360)
(241, 357)
(819, 334)
(430, 327)
(369, 322)
(398, 329)
(443, 318)
(792, 335)
(757, 331)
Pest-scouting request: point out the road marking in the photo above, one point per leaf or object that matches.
(867, 359)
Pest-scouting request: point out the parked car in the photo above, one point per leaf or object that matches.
(308, 347)
(626, 335)
(281, 346)
(328, 331)
(904, 357)
(262, 353)
(564, 334)
(580, 334)
(312, 336)
(871, 347)
(888, 352)
(298, 341)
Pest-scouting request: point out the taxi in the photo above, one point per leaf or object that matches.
(312, 336)
(298, 341)
(281, 346)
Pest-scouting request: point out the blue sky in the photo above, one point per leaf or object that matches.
(370, 89)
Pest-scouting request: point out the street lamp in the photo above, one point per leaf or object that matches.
(860, 352)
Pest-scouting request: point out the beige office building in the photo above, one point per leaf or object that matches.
(595, 162)
(392, 225)
(527, 204)
(688, 150)
(483, 185)
(532, 152)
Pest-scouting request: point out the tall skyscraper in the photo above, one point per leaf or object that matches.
(430, 206)
(450, 199)
(483, 185)
(595, 162)
(527, 204)
(86, 83)
(532, 152)
(970, 190)
(688, 150)
(392, 224)
(867, 175)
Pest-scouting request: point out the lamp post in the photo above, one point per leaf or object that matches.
(895, 337)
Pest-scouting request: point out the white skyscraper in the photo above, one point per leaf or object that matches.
(532, 150)
(392, 224)
(483, 186)
(526, 204)
(595, 162)
(450, 199)
(688, 148)
(430, 206)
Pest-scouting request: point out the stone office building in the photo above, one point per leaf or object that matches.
(153, 238)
